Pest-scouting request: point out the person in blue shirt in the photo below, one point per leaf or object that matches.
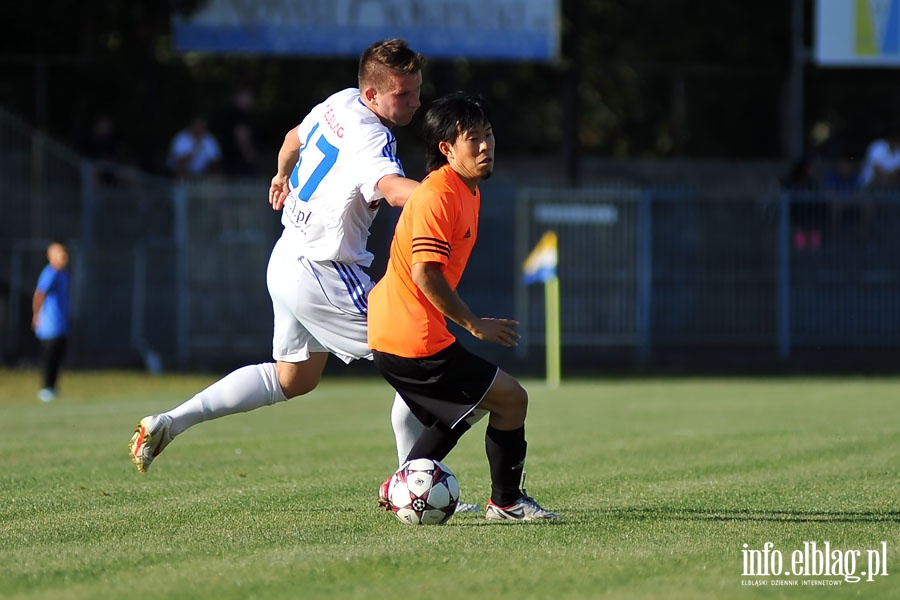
(51, 316)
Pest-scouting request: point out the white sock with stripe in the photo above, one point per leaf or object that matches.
(243, 390)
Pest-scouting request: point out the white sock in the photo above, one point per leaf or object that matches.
(243, 390)
(406, 427)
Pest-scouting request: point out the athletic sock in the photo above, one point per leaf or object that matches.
(506, 456)
(407, 428)
(243, 390)
(437, 441)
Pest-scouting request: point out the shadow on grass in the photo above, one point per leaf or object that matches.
(695, 514)
(773, 516)
(482, 522)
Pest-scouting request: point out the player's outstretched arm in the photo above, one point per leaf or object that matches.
(396, 189)
(430, 279)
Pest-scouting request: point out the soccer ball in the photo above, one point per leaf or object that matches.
(423, 492)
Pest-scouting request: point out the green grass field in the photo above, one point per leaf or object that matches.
(659, 484)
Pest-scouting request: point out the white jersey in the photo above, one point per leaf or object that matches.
(345, 151)
(879, 154)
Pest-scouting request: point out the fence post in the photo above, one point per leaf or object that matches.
(520, 297)
(182, 293)
(783, 287)
(38, 189)
(645, 274)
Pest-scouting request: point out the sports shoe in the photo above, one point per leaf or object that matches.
(465, 507)
(151, 436)
(46, 395)
(523, 509)
(383, 502)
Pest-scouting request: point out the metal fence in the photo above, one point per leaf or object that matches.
(175, 274)
(106, 213)
(779, 271)
(160, 271)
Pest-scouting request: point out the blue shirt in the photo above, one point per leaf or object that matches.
(53, 316)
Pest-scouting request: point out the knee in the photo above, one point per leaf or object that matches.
(507, 401)
(520, 401)
(293, 385)
(515, 403)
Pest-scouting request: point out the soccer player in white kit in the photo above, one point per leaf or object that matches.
(334, 170)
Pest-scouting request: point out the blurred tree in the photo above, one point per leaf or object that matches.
(637, 78)
(65, 63)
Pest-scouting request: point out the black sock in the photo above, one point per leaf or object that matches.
(437, 441)
(506, 455)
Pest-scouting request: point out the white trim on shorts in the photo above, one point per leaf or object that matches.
(480, 400)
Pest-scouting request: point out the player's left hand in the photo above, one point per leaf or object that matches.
(499, 331)
(278, 192)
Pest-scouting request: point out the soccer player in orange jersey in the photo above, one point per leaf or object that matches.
(443, 383)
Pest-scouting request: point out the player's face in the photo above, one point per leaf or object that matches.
(57, 256)
(399, 101)
(472, 154)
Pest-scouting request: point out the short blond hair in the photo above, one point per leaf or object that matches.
(379, 59)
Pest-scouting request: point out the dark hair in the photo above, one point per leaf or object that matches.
(382, 57)
(447, 118)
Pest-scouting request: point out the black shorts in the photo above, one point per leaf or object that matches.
(444, 387)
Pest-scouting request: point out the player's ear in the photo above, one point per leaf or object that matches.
(446, 148)
(369, 94)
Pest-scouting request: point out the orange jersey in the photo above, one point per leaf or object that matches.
(439, 223)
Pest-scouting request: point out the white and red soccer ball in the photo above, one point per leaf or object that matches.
(423, 492)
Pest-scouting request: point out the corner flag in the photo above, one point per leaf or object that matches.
(540, 267)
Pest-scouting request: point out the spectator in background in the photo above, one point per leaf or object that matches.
(50, 322)
(101, 144)
(806, 215)
(841, 182)
(881, 166)
(880, 170)
(237, 134)
(194, 151)
(842, 176)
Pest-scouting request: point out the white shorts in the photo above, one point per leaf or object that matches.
(318, 307)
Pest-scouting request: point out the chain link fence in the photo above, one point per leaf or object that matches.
(173, 275)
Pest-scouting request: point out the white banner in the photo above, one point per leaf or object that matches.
(857, 33)
(495, 29)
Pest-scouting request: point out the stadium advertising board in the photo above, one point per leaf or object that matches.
(500, 29)
(857, 33)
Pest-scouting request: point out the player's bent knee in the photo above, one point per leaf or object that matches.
(299, 388)
(520, 402)
(297, 379)
(507, 398)
(297, 384)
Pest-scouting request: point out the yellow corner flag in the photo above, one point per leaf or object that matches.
(540, 267)
(541, 262)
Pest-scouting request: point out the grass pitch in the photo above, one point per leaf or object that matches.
(659, 483)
